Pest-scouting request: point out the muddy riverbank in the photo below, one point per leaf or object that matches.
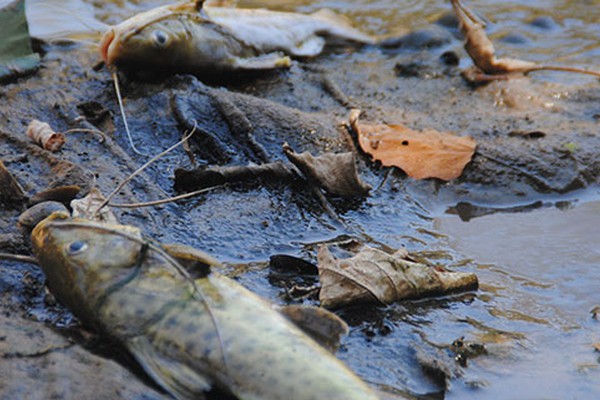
(245, 224)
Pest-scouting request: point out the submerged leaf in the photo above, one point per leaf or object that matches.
(335, 173)
(16, 56)
(376, 276)
(424, 154)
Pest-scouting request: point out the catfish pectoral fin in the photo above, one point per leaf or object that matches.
(263, 62)
(175, 377)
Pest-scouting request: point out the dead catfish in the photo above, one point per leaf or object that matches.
(189, 335)
(189, 38)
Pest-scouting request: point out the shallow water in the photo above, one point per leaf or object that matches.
(540, 274)
(538, 264)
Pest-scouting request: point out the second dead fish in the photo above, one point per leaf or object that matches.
(189, 38)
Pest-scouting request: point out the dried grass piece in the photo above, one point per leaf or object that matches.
(41, 133)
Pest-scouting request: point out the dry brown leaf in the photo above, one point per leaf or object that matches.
(424, 154)
(376, 276)
(335, 173)
(87, 206)
(480, 48)
(11, 191)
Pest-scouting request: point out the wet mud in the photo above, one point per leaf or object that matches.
(537, 139)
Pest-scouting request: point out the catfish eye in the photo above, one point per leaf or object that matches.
(77, 247)
(160, 38)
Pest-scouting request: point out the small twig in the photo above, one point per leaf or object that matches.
(164, 201)
(122, 108)
(85, 130)
(18, 257)
(142, 168)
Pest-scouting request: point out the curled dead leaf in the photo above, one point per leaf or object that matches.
(424, 154)
(376, 276)
(87, 206)
(335, 173)
(41, 133)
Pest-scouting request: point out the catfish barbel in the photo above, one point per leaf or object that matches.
(189, 335)
(187, 38)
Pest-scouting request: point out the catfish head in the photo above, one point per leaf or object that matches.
(84, 261)
(164, 40)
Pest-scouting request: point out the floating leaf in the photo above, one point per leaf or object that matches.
(335, 173)
(424, 154)
(16, 56)
(376, 276)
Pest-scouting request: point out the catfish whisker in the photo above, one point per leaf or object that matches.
(122, 108)
(77, 17)
(143, 167)
(164, 201)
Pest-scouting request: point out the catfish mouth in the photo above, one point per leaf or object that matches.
(106, 46)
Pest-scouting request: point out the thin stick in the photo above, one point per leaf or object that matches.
(140, 169)
(84, 130)
(564, 69)
(18, 257)
(164, 201)
(118, 91)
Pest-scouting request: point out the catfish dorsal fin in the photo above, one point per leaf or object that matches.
(195, 261)
(320, 324)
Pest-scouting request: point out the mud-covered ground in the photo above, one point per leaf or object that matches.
(44, 353)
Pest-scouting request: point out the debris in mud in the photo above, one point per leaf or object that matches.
(89, 208)
(11, 191)
(42, 134)
(375, 276)
(36, 214)
(322, 325)
(205, 177)
(437, 365)
(595, 311)
(62, 194)
(16, 55)
(335, 173)
(466, 349)
(425, 154)
(528, 134)
(487, 66)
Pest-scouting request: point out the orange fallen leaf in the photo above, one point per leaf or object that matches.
(421, 154)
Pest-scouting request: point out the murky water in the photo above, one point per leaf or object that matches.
(540, 271)
(539, 266)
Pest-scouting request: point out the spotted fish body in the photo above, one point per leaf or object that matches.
(188, 335)
(186, 38)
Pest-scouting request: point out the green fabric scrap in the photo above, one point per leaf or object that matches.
(16, 55)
